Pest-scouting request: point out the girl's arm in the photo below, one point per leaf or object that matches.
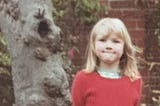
(77, 90)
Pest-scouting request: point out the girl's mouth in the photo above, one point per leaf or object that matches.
(107, 52)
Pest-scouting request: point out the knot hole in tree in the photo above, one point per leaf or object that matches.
(44, 28)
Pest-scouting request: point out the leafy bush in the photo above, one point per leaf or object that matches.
(73, 15)
(6, 87)
(4, 56)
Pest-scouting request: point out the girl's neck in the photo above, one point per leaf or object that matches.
(116, 70)
(108, 73)
(110, 67)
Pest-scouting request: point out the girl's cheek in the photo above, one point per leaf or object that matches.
(120, 51)
(97, 53)
(99, 46)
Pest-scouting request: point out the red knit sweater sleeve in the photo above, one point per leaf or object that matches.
(77, 90)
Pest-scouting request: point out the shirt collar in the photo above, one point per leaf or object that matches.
(107, 74)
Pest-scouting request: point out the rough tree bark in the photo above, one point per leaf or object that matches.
(33, 40)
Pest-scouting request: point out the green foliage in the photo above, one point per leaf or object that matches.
(70, 15)
(6, 87)
(4, 56)
(73, 15)
(83, 11)
(4, 59)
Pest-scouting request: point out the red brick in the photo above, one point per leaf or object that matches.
(122, 4)
(131, 24)
(115, 13)
(126, 14)
(134, 24)
(103, 2)
(132, 13)
(138, 37)
(140, 24)
(138, 34)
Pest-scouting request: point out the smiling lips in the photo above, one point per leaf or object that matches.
(108, 52)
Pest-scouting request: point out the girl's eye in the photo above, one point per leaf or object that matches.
(102, 40)
(116, 41)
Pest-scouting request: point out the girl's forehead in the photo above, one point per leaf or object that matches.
(110, 34)
(107, 29)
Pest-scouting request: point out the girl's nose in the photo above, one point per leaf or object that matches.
(109, 48)
(108, 45)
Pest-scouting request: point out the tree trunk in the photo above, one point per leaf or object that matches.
(33, 42)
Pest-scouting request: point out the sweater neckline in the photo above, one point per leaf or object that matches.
(110, 79)
(108, 74)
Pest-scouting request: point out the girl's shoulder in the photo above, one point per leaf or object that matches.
(80, 77)
(83, 73)
(136, 79)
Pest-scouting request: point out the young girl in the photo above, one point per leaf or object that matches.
(110, 77)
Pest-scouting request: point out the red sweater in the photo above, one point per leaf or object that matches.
(90, 89)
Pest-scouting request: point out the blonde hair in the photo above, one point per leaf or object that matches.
(106, 26)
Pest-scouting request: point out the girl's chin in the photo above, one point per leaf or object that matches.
(107, 57)
(108, 61)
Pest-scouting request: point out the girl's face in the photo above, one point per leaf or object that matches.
(109, 49)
